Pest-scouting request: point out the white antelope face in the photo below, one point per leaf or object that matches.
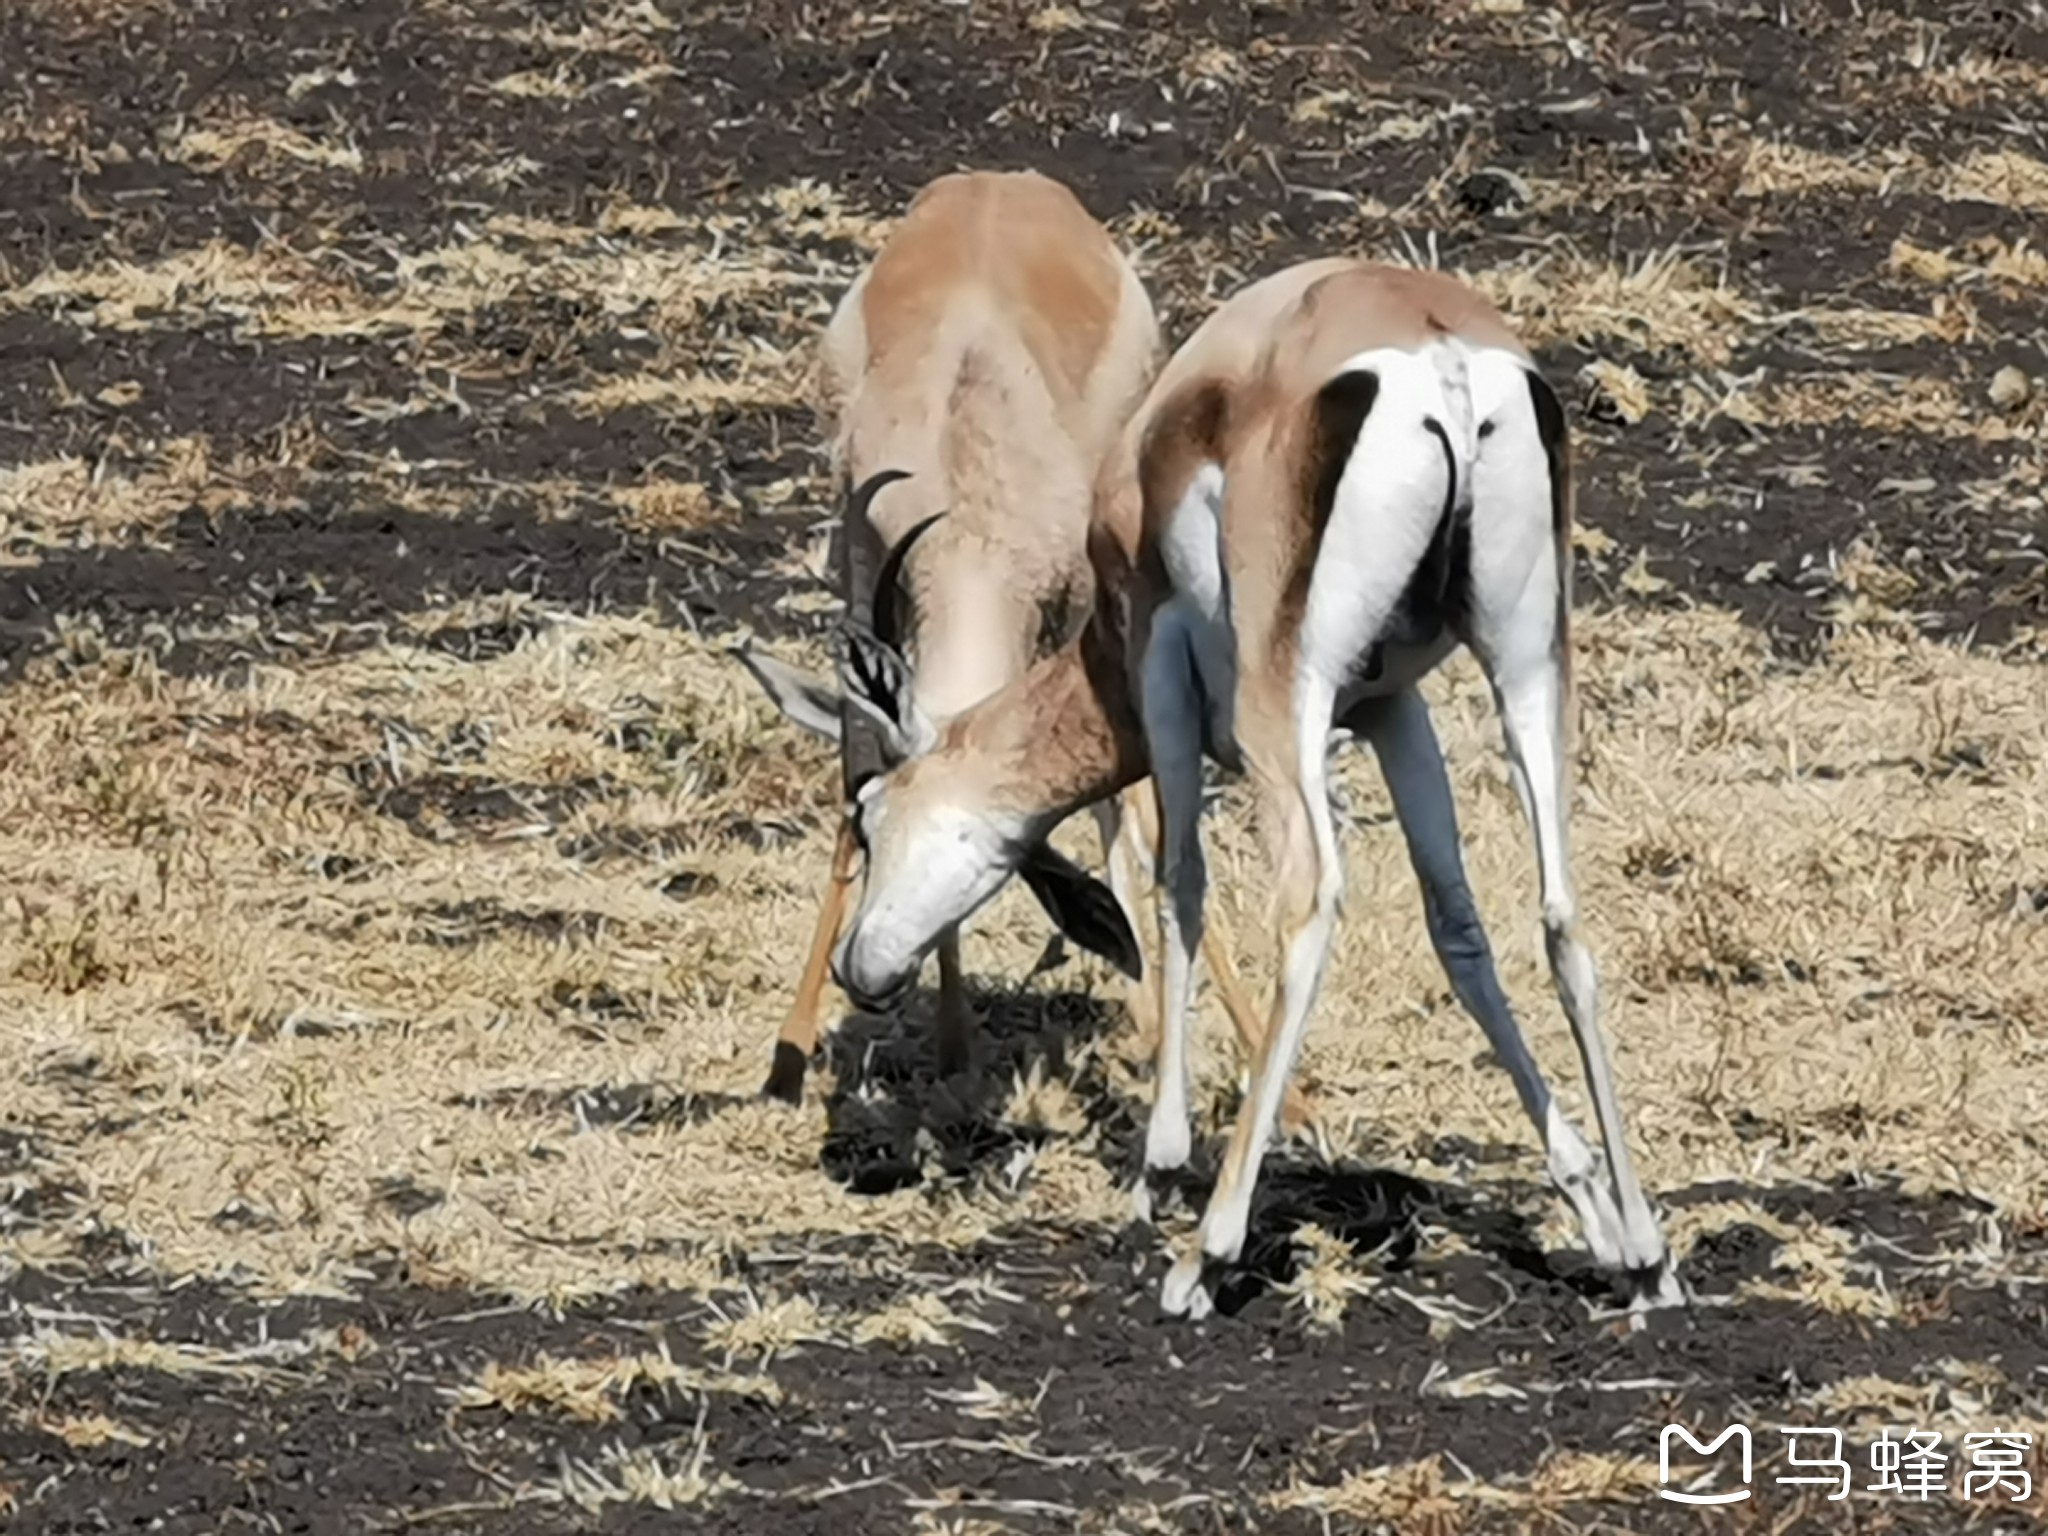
(929, 863)
(936, 847)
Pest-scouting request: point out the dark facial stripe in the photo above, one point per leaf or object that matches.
(1056, 613)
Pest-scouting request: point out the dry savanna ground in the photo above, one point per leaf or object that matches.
(402, 409)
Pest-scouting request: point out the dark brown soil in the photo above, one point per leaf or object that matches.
(946, 91)
(1126, 1409)
(1190, 1427)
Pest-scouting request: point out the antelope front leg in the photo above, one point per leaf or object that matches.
(799, 1035)
(956, 1019)
(1128, 829)
(1310, 878)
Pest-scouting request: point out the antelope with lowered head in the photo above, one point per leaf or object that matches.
(1346, 472)
(978, 371)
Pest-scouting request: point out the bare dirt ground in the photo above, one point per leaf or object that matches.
(401, 408)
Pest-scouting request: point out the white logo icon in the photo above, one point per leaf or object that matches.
(1680, 1432)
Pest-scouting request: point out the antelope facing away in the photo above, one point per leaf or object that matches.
(1346, 472)
(978, 370)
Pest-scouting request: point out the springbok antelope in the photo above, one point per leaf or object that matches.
(1345, 473)
(978, 371)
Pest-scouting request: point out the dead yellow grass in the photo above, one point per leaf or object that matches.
(665, 1477)
(248, 140)
(1973, 76)
(637, 263)
(1416, 1496)
(84, 1431)
(1886, 403)
(590, 1389)
(1988, 259)
(763, 1328)
(1664, 300)
(68, 502)
(754, 376)
(1820, 1260)
(52, 1353)
(1962, 1396)
(628, 28)
(1327, 1277)
(1835, 950)
(2005, 177)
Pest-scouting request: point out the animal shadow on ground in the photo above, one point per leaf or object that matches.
(1380, 1213)
(892, 1120)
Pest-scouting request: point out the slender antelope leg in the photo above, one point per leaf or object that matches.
(956, 1022)
(799, 1034)
(1297, 1110)
(1411, 760)
(1121, 822)
(1139, 814)
(1294, 790)
(1523, 662)
(1172, 705)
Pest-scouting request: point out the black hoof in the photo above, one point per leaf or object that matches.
(786, 1076)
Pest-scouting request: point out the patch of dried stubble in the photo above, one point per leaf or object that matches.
(271, 1028)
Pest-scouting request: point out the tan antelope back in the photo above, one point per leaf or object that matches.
(992, 353)
(976, 373)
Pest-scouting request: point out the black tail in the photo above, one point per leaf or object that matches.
(1436, 595)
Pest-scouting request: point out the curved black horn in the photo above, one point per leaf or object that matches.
(883, 610)
(865, 492)
(860, 548)
(860, 752)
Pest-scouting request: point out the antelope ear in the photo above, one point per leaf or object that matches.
(1083, 908)
(877, 683)
(807, 699)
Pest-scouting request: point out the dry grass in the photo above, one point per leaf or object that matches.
(68, 501)
(1787, 879)
(2004, 177)
(662, 269)
(245, 141)
(53, 1353)
(590, 1389)
(1663, 300)
(1416, 1495)
(664, 1478)
(311, 980)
